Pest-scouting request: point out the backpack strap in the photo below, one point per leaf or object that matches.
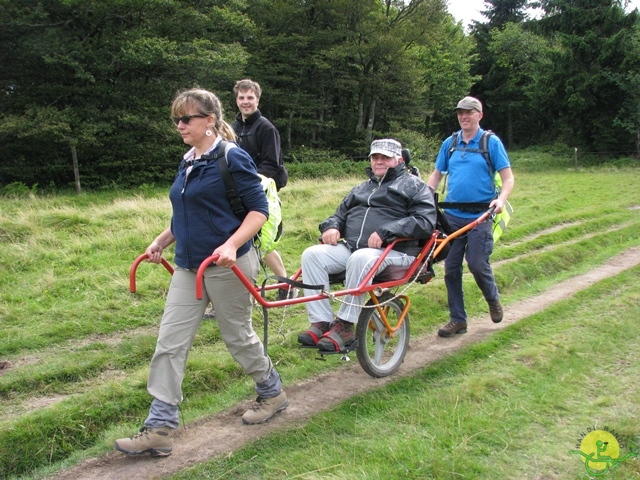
(250, 137)
(227, 179)
(452, 147)
(471, 207)
(476, 207)
(484, 149)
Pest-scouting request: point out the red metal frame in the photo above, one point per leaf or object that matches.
(134, 268)
(433, 247)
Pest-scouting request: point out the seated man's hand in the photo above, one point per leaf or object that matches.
(374, 241)
(331, 236)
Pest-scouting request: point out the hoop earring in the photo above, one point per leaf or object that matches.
(208, 133)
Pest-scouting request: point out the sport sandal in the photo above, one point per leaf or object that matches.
(310, 337)
(339, 338)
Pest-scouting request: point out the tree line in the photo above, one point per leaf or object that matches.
(88, 83)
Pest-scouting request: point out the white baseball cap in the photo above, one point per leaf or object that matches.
(387, 147)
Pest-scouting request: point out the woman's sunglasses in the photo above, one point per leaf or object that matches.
(186, 118)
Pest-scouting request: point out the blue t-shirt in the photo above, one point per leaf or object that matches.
(469, 178)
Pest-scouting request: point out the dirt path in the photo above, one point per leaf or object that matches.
(223, 433)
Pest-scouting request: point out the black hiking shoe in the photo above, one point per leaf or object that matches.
(495, 310)
(451, 328)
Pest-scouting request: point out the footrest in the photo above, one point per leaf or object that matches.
(352, 346)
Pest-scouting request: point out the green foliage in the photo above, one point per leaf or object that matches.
(107, 95)
(352, 86)
(18, 189)
(568, 75)
(334, 74)
(595, 48)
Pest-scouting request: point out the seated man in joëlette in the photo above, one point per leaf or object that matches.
(391, 204)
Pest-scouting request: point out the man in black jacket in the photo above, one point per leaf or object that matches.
(391, 204)
(261, 139)
(257, 135)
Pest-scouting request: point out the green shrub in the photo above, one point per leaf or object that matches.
(18, 189)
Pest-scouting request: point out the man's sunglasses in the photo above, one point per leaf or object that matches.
(186, 118)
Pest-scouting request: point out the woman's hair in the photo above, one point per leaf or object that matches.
(206, 103)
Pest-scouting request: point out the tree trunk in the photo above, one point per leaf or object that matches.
(509, 128)
(360, 124)
(289, 125)
(76, 170)
(372, 117)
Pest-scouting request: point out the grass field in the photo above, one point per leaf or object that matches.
(75, 344)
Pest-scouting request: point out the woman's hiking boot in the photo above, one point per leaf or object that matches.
(264, 408)
(156, 441)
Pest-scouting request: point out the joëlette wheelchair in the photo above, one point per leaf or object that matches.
(382, 331)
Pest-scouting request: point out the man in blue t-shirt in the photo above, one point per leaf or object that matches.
(470, 180)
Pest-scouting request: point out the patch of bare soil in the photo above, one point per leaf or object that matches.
(5, 365)
(223, 433)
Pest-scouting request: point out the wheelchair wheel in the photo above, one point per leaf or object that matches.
(379, 353)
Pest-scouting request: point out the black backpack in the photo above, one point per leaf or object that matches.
(264, 238)
(484, 147)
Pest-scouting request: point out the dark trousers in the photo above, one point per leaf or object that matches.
(477, 245)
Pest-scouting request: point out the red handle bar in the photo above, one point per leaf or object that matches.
(205, 264)
(134, 267)
(212, 259)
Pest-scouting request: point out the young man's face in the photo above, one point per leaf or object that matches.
(247, 102)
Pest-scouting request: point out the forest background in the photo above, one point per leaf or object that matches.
(87, 84)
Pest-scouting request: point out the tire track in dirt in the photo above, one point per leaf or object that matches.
(550, 248)
(223, 433)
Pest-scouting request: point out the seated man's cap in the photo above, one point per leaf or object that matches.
(387, 147)
(469, 103)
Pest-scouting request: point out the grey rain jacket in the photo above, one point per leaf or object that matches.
(398, 205)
